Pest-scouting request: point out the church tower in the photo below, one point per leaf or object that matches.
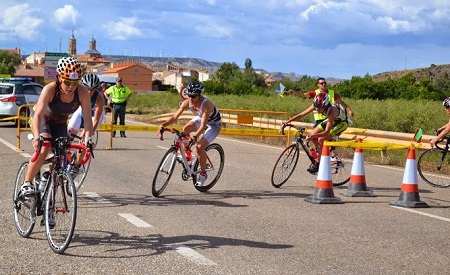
(72, 45)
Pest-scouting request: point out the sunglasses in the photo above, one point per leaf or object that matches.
(322, 83)
(70, 83)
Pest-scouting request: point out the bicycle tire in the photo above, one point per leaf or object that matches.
(64, 209)
(285, 165)
(164, 171)
(215, 155)
(24, 209)
(432, 169)
(340, 171)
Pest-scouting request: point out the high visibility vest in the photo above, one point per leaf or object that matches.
(317, 115)
(118, 94)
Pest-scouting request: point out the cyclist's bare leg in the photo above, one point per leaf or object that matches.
(201, 145)
(34, 167)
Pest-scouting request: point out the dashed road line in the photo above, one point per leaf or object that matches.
(423, 213)
(191, 254)
(135, 220)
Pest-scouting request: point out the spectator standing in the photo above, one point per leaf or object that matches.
(118, 95)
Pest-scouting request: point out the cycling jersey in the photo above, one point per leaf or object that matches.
(57, 110)
(340, 123)
(213, 117)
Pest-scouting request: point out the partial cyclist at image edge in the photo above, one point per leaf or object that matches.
(334, 124)
(57, 101)
(207, 123)
(445, 129)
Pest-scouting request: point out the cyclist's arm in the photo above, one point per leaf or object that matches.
(443, 131)
(99, 104)
(85, 99)
(41, 105)
(184, 105)
(302, 114)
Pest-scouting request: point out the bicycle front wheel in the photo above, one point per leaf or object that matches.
(60, 212)
(214, 166)
(164, 172)
(434, 167)
(340, 169)
(24, 208)
(285, 165)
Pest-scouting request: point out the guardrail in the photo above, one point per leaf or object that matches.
(257, 123)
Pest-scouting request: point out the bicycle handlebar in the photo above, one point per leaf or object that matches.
(284, 125)
(47, 142)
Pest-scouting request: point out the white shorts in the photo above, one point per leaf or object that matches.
(77, 118)
(212, 130)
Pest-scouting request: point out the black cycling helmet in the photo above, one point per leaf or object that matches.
(194, 89)
(321, 100)
(90, 80)
(446, 102)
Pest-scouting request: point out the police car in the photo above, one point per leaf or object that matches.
(17, 91)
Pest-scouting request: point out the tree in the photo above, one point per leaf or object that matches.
(227, 73)
(8, 61)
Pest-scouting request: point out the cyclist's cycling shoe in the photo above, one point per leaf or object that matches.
(314, 168)
(75, 170)
(201, 180)
(27, 189)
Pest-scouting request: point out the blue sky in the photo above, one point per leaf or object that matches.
(316, 38)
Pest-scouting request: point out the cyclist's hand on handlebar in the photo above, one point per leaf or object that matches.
(283, 125)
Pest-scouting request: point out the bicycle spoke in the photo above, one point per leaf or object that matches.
(214, 166)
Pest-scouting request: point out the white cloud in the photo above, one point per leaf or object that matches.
(19, 21)
(122, 29)
(66, 16)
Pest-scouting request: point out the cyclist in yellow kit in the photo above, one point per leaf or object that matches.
(335, 123)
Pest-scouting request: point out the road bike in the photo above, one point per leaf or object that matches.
(434, 164)
(288, 159)
(180, 152)
(55, 196)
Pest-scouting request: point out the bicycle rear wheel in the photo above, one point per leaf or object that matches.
(60, 213)
(24, 208)
(164, 172)
(80, 175)
(434, 167)
(214, 166)
(285, 165)
(340, 169)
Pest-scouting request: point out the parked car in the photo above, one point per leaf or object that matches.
(17, 91)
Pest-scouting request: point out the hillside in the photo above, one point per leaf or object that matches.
(433, 72)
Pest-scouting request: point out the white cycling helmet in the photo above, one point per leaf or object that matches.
(90, 80)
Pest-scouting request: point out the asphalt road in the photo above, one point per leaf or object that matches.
(242, 226)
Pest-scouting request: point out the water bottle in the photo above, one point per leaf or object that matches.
(313, 152)
(44, 178)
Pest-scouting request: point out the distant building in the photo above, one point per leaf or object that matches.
(134, 75)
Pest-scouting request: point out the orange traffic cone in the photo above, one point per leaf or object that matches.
(324, 185)
(357, 185)
(409, 195)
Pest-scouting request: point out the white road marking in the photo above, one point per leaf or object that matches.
(13, 147)
(422, 213)
(191, 254)
(96, 197)
(135, 220)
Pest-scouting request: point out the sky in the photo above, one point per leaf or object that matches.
(339, 39)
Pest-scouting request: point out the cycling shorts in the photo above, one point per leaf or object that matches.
(76, 121)
(337, 128)
(212, 130)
